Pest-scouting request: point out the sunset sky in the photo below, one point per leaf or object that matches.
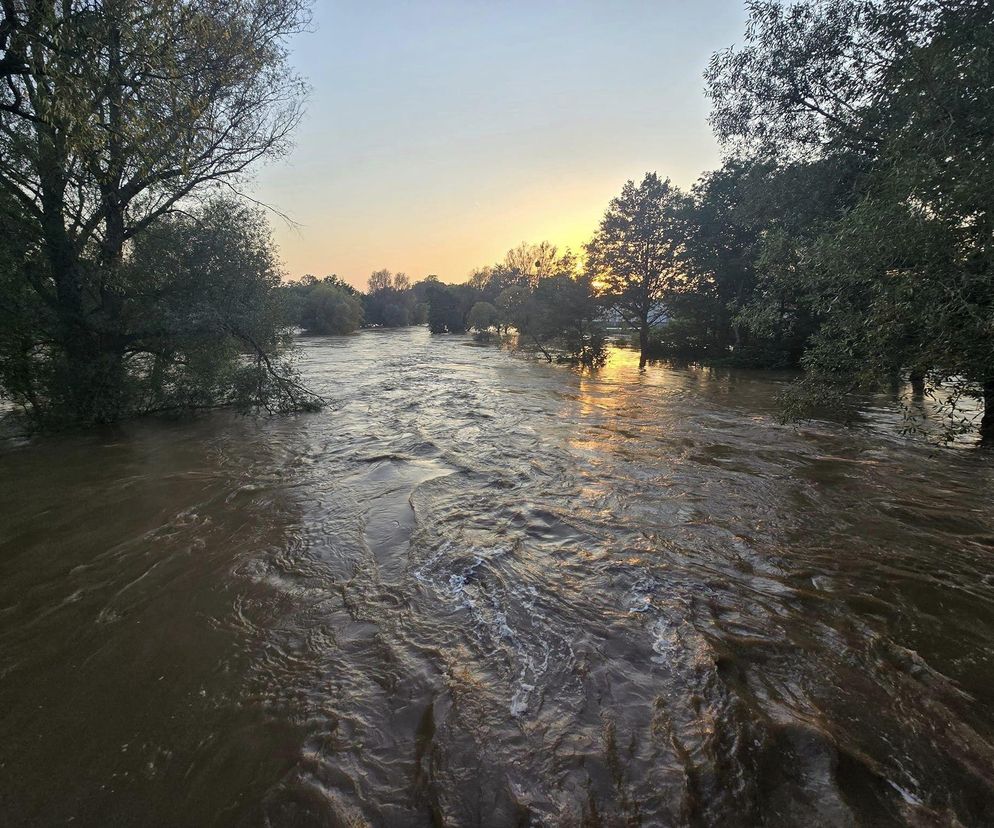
(440, 134)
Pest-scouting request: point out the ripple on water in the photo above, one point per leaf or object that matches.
(481, 590)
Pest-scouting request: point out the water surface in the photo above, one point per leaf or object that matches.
(482, 590)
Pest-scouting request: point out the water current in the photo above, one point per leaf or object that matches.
(481, 590)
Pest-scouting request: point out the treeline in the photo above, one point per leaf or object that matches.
(535, 290)
(849, 231)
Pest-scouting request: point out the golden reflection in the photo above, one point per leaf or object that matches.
(618, 406)
(613, 405)
(620, 384)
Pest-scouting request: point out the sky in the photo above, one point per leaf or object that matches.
(438, 135)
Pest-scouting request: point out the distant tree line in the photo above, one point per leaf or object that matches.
(848, 233)
(535, 291)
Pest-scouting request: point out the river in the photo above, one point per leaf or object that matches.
(482, 590)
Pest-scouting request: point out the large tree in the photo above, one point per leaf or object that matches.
(904, 279)
(635, 253)
(113, 115)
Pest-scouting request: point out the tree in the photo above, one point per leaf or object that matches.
(806, 77)
(635, 253)
(509, 304)
(565, 314)
(390, 302)
(560, 316)
(23, 317)
(747, 226)
(720, 248)
(329, 309)
(482, 317)
(379, 280)
(205, 319)
(532, 261)
(448, 306)
(296, 294)
(115, 115)
(902, 279)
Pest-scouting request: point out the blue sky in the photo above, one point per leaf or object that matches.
(440, 134)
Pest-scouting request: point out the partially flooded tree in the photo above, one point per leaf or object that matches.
(482, 317)
(113, 116)
(389, 301)
(330, 309)
(205, 315)
(900, 92)
(509, 303)
(449, 306)
(635, 253)
(568, 309)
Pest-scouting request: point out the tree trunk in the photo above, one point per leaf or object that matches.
(643, 343)
(987, 422)
(92, 384)
(917, 384)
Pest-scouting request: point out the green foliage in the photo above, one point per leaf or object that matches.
(296, 300)
(388, 308)
(482, 317)
(510, 302)
(559, 319)
(747, 224)
(568, 310)
(115, 120)
(448, 306)
(328, 309)
(534, 290)
(24, 317)
(635, 253)
(887, 109)
(199, 323)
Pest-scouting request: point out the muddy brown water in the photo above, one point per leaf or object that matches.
(482, 590)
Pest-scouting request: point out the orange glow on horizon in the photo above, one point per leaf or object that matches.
(452, 252)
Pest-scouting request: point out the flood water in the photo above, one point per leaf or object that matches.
(483, 590)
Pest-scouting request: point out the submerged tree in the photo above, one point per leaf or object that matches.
(565, 313)
(482, 317)
(748, 225)
(330, 309)
(205, 324)
(114, 115)
(636, 251)
(389, 301)
(509, 303)
(449, 306)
